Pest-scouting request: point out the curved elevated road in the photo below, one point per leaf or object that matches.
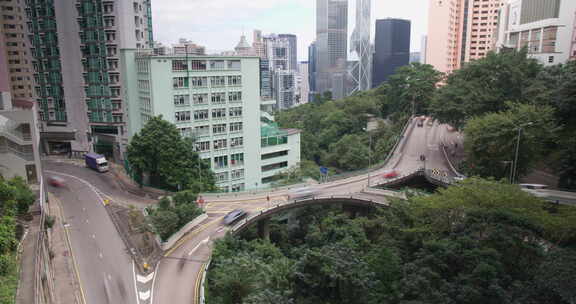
(179, 274)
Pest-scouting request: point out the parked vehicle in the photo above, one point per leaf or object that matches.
(96, 162)
(233, 216)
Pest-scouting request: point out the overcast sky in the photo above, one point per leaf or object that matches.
(218, 24)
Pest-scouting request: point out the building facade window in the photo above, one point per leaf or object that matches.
(221, 177)
(235, 80)
(202, 131)
(219, 98)
(217, 81)
(200, 99)
(237, 159)
(217, 65)
(235, 112)
(237, 174)
(236, 127)
(198, 65)
(221, 162)
(182, 100)
(179, 65)
(234, 65)
(218, 113)
(201, 115)
(235, 96)
(199, 82)
(275, 166)
(219, 129)
(236, 142)
(220, 144)
(203, 146)
(182, 116)
(180, 82)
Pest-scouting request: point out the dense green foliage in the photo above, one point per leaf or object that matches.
(480, 242)
(333, 132)
(15, 199)
(483, 98)
(491, 139)
(174, 213)
(169, 159)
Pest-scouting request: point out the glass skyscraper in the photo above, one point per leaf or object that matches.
(331, 46)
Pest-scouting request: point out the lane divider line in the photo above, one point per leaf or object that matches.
(144, 279)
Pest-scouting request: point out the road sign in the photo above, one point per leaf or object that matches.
(324, 170)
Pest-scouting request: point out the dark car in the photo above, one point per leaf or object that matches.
(233, 216)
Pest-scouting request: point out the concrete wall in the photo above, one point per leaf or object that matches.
(178, 235)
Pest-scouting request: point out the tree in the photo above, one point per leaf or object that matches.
(169, 159)
(410, 89)
(483, 86)
(491, 139)
(349, 153)
(568, 165)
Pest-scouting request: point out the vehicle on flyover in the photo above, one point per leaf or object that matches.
(303, 193)
(233, 216)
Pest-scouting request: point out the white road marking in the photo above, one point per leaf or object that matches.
(144, 296)
(220, 229)
(153, 284)
(100, 255)
(94, 236)
(199, 244)
(144, 279)
(135, 287)
(98, 192)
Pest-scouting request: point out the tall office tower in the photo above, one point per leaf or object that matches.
(265, 80)
(312, 71)
(303, 82)
(293, 42)
(278, 51)
(360, 43)
(544, 27)
(331, 46)
(216, 100)
(392, 48)
(75, 45)
(423, 49)
(460, 31)
(258, 44)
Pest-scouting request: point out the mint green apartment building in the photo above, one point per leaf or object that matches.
(216, 100)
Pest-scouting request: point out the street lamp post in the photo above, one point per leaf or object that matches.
(515, 164)
(369, 153)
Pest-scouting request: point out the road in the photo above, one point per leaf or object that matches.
(177, 282)
(105, 268)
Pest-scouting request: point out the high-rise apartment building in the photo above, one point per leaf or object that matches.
(19, 136)
(75, 45)
(279, 55)
(544, 27)
(331, 46)
(293, 44)
(258, 44)
(391, 48)
(460, 31)
(217, 100)
(361, 44)
(19, 59)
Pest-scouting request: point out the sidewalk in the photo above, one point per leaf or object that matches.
(28, 263)
(66, 284)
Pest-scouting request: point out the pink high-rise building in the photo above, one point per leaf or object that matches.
(573, 49)
(460, 31)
